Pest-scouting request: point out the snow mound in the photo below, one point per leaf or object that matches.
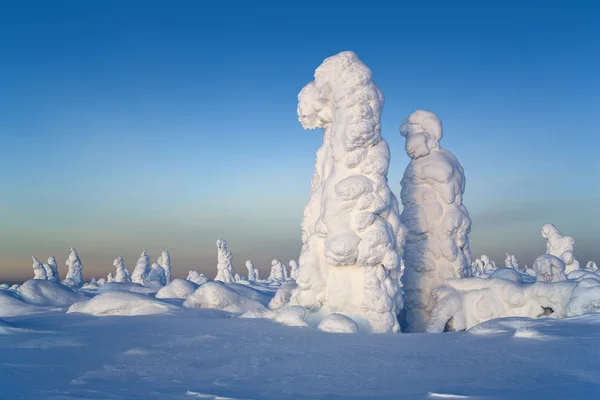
(127, 287)
(11, 305)
(250, 292)
(123, 304)
(508, 274)
(217, 296)
(283, 295)
(177, 289)
(291, 316)
(48, 293)
(197, 278)
(338, 323)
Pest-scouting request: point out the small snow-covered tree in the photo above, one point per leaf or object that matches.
(165, 262)
(556, 244)
(157, 274)
(100, 281)
(293, 269)
(277, 271)
(549, 268)
(142, 269)
(437, 244)
(252, 272)
(110, 278)
(591, 266)
(224, 263)
(571, 264)
(123, 274)
(38, 270)
(351, 231)
(511, 262)
(52, 270)
(237, 277)
(197, 278)
(74, 276)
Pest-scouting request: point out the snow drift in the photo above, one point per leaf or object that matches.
(217, 295)
(47, 293)
(122, 303)
(177, 289)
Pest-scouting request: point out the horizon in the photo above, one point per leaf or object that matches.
(146, 126)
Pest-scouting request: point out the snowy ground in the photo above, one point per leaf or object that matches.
(199, 353)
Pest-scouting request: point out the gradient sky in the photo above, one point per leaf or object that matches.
(132, 125)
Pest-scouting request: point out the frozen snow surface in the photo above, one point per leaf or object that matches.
(438, 224)
(351, 230)
(123, 304)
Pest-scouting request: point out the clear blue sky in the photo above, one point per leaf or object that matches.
(132, 125)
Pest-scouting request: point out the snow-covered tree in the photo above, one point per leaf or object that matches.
(237, 277)
(110, 278)
(511, 262)
(252, 272)
(157, 275)
(277, 271)
(142, 269)
(38, 270)
(293, 269)
(437, 243)
(571, 264)
(549, 268)
(165, 262)
(52, 270)
(556, 244)
(591, 266)
(100, 281)
(197, 278)
(74, 276)
(123, 274)
(351, 230)
(224, 263)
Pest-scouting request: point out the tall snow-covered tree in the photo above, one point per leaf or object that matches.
(437, 243)
(74, 276)
(277, 271)
(252, 272)
(165, 262)
(142, 269)
(293, 269)
(351, 231)
(38, 270)
(224, 263)
(52, 270)
(122, 274)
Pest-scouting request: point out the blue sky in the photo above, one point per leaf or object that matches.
(165, 125)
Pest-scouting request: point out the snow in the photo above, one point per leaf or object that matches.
(351, 230)
(177, 289)
(591, 266)
(127, 287)
(253, 274)
(11, 305)
(338, 323)
(142, 269)
(261, 296)
(47, 293)
(217, 295)
(165, 262)
(52, 270)
(123, 304)
(549, 268)
(74, 276)
(437, 243)
(507, 273)
(283, 295)
(39, 271)
(197, 278)
(511, 262)
(157, 275)
(123, 274)
(224, 263)
(277, 271)
(293, 269)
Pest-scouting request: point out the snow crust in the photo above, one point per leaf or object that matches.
(224, 263)
(217, 295)
(177, 289)
(351, 230)
(338, 323)
(122, 303)
(438, 224)
(47, 293)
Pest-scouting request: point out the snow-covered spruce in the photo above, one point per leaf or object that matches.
(197, 278)
(74, 276)
(253, 274)
(52, 270)
(122, 274)
(142, 269)
(157, 275)
(437, 243)
(39, 272)
(351, 230)
(464, 303)
(110, 277)
(293, 269)
(549, 268)
(277, 271)
(224, 263)
(165, 262)
(591, 266)
(556, 244)
(511, 262)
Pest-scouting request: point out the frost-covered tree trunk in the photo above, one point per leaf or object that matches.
(141, 270)
(437, 244)
(293, 269)
(277, 271)
(122, 274)
(224, 263)
(74, 276)
(165, 262)
(252, 277)
(52, 270)
(351, 231)
(39, 272)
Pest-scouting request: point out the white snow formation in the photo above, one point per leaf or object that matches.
(52, 270)
(165, 262)
(122, 303)
(253, 274)
(338, 323)
(47, 293)
(157, 275)
(556, 244)
(142, 269)
(197, 278)
(571, 264)
(224, 263)
(74, 276)
(127, 287)
(110, 277)
(351, 230)
(218, 296)
(177, 289)
(277, 271)
(438, 224)
(123, 274)
(549, 268)
(293, 269)
(511, 262)
(283, 295)
(591, 266)
(39, 271)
